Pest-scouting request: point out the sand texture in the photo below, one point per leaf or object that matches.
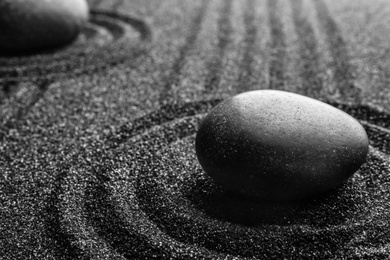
(97, 156)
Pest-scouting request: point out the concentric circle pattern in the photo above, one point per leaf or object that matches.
(108, 39)
(153, 200)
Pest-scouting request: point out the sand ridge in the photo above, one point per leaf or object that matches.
(97, 154)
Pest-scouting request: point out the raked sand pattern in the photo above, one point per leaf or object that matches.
(97, 155)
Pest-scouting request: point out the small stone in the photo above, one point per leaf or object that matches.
(30, 26)
(280, 146)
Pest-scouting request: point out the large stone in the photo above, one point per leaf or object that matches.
(30, 26)
(276, 145)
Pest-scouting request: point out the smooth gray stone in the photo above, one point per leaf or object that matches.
(276, 145)
(30, 26)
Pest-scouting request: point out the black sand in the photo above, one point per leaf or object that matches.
(97, 152)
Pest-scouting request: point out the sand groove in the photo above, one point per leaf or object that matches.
(308, 50)
(176, 70)
(343, 72)
(278, 47)
(246, 73)
(224, 33)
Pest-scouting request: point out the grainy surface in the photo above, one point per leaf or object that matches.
(97, 153)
